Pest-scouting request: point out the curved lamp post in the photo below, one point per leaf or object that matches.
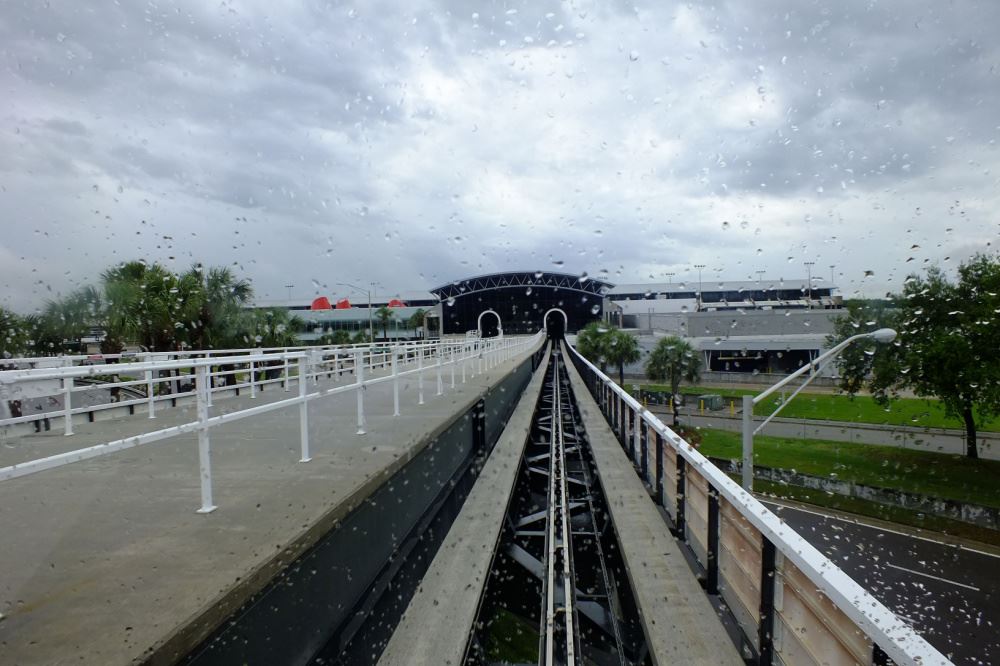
(882, 335)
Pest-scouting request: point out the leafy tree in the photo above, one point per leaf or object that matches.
(338, 337)
(856, 361)
(15, 334)
(273, 327)
(384, 315)
(946, 345)
(621, 349)
(592, 341)
(361, 337)
(674, 361)
(220, 300)
(146, 305)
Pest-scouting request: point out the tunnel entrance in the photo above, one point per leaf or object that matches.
(555, 324)
(489, 324)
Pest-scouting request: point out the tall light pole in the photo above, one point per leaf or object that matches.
(831, 278)
(882, 335)
(699, 267)
(367, 292)
(289, 288)
(669, 275)
(809, 269)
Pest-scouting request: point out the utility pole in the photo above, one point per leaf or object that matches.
(809, 265)
(699, 267)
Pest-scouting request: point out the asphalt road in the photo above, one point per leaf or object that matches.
(950, 594)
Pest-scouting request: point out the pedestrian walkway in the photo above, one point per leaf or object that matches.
(109, 558)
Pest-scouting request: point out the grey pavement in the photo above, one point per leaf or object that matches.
(937, 440)
(104, 559)
(947, 592)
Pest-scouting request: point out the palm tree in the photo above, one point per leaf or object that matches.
(143, 306)
(673, 360)
(621, 349)
(221, 300)
(384, 315)
(592, 341)
(417, 320)
(15, 334)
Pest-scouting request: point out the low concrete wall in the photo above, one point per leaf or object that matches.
(974, 514)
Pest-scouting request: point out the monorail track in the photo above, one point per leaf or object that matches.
(552, 570)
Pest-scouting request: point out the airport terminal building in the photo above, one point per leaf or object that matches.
(743, 326)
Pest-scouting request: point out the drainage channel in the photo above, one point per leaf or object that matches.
(558, 593)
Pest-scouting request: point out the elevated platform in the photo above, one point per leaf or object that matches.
(111, 564)
(680, 624)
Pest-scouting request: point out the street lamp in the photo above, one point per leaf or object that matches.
(882, 336)
(809, 268)
(367, 292)
(289, 288)
(699, 267)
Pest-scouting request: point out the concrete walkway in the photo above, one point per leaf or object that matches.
(105, 559)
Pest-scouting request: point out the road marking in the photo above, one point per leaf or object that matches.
(854, 521)
(927, 575)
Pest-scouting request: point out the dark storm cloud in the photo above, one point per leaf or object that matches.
(417, 143)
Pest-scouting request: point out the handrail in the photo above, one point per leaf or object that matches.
(474, 357)
(885, 628)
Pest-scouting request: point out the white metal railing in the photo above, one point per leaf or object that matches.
(784, 568)
(385, 363)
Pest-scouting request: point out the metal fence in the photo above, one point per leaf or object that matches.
(203, 375)
(795, 606)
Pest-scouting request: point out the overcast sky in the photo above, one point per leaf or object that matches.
(417, 142)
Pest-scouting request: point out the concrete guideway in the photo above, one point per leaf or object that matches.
(110, 559)
(449, 593)
(680, 624)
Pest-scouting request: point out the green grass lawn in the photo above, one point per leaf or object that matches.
(859, 409)
(936, 474)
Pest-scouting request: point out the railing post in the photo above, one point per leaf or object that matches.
(440, 384)
(644, 452)
(465, 359)
(712, 573)
(747, 443)
(395, 381)
(765, 628)
(303, 412)
(659, 469)
(150, 398)
(286, 370)
(204, 450)
(208, 381)
(680, 511)
(359, 376)
(67, 389)
(253, 384)
(635, 421)
(451, 362)
(420, 376)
